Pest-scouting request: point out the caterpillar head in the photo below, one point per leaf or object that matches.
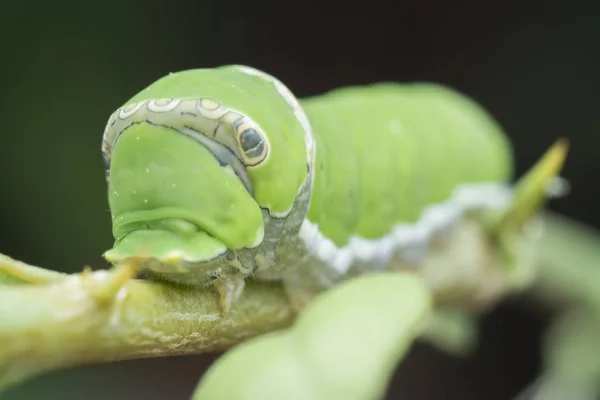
(205, 168)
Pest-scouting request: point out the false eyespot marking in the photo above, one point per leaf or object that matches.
(210, 109)
(163, 105)
(251, 141)
(294, 104)
(111, 121)
(302, 118)
(106, 151)
(130, 109)
(209, 104)
(106, 155)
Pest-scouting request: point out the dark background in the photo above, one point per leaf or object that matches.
(66, 65)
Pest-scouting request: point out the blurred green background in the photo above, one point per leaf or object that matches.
(66, 65)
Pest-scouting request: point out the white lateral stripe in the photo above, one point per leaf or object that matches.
(411, 239)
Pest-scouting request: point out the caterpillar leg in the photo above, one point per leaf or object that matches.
(229, 287)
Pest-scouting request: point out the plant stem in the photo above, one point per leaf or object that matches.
(106, 316)
(50, 320)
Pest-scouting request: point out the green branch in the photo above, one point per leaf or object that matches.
(50, 320)
(105, 316)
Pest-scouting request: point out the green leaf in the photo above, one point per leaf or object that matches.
(569, 263)
(568, 281)
(345, 345)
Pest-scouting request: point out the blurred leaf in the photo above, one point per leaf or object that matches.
(452, 331)
(345, 345)
(569, 261)
(569, 281)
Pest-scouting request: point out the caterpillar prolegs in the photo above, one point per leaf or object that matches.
(220, 175)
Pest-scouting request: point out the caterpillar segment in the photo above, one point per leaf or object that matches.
(220, 175)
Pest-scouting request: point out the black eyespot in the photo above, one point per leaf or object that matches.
(252, 143)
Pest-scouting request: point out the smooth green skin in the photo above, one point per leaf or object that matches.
(386, 151)
(275, 181)
(147, 189)
(344, 346)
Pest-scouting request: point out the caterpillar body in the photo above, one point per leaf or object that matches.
(219, 175)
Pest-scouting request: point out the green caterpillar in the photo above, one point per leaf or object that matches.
(217, 175)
